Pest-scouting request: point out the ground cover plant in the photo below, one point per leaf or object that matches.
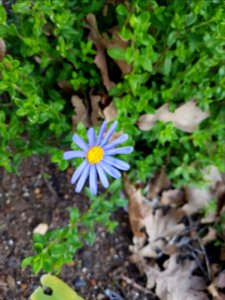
(157, 67)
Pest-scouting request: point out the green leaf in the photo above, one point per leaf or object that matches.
(58, 290)
(167, 65)
(74, 215)
(27, 261)
(2, 14)
(116, 53)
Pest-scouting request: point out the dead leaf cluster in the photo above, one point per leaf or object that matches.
(187, 117)
(164, 228)
(91, 111)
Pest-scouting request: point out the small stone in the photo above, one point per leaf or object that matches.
(100, 297)
(93, 282)
(10, 242)
(84, 270)
(42, 228)
(13, 262)
(79, 283)
(37, 191)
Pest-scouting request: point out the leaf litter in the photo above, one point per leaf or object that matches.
(170, 243)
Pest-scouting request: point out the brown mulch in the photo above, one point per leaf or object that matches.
(27, 200)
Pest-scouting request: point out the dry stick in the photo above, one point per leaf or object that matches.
(137, 286)
(209, 273)
(49, 186)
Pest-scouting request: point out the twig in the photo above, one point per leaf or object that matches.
(137, 286)
(209, 273)
(50, 188)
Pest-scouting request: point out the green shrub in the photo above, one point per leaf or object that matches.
(176, 50)
(46, 45)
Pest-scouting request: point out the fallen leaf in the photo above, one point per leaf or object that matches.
(100, 61)
(196, 199)
(187, 117)
(42, 228)
(58, 290)
(96, 113)
(110, 112)
(2, 49)
(137, 209)
(81, 113)
(65, 86)
(176, 282)
(173, 198)
(160, 228)
(102, 42)
(159, 182)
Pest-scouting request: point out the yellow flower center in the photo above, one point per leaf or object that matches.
(95, 155)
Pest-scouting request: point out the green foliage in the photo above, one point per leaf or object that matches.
(58, 247)
(176, 50)
(46, 45)
(57, 290)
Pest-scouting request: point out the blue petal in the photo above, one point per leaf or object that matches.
(109, 133)
(110, 170)
(91, 137)
(116, 142)
(93, 180)
(120, 164)
(82, 179)
(122, 150)
(101, 132)
(78, 171)
(72, 154)
(102, 176)
(80, 142)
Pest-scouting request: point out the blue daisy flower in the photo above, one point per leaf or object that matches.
(98, 159)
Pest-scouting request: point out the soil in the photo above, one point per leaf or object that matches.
(26, 200)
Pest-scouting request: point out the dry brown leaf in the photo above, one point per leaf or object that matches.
(176, 282)
(187, 117)
(110, 112)
(2, 49)
(173, 198)
(81, 114)
(96, 113)
(102, 42)
(159, 182)
(137, 209)
(100, 61)
(160, 227)
(66, 86)
(197, 199)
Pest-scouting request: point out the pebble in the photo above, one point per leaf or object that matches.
(100, 297)
(10, 242)
(13, 262)
(79, 283)
(113, 295)
(37, 191)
